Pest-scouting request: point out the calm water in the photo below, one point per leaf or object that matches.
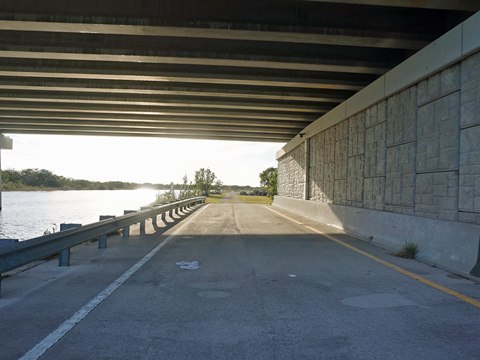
(27, 214)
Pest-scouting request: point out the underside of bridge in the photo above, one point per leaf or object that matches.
(229, 70)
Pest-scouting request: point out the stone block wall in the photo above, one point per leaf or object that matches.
(416, 152)
(291, 174)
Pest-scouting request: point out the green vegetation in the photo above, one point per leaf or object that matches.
(214, 198)
(252, 199)
(408, 251)
(268, 179)
(40, 179)
(206, 181)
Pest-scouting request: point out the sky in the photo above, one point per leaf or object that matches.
(140, 160)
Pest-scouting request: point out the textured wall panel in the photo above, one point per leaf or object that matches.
(437, 134)
(469, 192)
(376, 114)
(375, 150)
(400, 177)
(355, 181)
(291, 172)
(341, 159)
(439, 84)
(436, 195)
(356, 134)
(470, 108)
(401, 117)
(374, 193)
(317, 162)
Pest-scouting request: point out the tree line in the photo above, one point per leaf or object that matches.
(204, 182)
(34, 179)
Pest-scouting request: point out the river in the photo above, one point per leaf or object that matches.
(27, 214)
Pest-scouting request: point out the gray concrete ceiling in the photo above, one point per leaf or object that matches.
(230, 70)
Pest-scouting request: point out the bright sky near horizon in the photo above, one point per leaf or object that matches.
(140, 160)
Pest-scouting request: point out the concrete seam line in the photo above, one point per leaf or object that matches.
(394, 267)
(39, 349)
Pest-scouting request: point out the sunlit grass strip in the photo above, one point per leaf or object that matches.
(253, 199)
(214, 198)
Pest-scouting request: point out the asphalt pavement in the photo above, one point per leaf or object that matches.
(267, 287)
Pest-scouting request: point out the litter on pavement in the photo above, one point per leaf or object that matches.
(188, 265)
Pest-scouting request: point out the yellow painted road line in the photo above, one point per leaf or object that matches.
(399, 269)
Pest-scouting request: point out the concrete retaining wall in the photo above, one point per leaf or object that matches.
(415, 152)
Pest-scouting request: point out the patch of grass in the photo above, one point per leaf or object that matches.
(214, 198)
(253, 199)
(408, 251)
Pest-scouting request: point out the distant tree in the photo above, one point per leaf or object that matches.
(186, 188)
(218, 186)
(268, 179)
(204, 180)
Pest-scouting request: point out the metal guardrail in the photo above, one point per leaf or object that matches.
(21, 253)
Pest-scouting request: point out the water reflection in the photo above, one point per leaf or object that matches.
(27, 214)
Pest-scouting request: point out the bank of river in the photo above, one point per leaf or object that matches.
(27, 214)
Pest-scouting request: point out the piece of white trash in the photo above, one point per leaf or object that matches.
(292, 275)
(188, 265)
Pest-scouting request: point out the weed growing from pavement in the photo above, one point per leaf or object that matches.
(408, 251)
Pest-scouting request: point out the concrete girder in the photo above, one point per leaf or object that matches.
(123, 67)
(110, 89)
(34, 119)
(380, 41)
(261, 106)
(211, 135)
(267, 64)
(41, 108)
(85, 126)
(184, 78)
(458, 5)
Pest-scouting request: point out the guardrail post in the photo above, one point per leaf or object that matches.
(163, 216)
(102, 240)
(64, 255)
(154, 218)
(126, 229)
(5, 242)
(170, 213)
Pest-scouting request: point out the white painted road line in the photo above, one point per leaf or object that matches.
(38, 350)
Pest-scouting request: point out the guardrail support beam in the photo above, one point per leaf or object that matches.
(64, 257)
(102, 239)
(18, 254)
(102, 242)
(126, 229)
